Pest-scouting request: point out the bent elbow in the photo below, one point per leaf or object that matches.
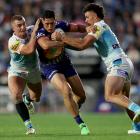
(82, 47)
(30, 52)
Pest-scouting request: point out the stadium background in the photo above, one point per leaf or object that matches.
(124, 18)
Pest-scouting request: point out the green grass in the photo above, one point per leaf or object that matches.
(62, 127)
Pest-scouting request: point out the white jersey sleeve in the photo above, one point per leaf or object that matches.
(98, 29)
(14, 45)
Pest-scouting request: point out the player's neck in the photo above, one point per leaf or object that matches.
(97, 20)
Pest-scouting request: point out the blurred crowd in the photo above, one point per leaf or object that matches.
(122, 15)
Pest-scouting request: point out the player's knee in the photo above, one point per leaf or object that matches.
(108, 98)
(67, 94)
(35, 99)
(111, 95)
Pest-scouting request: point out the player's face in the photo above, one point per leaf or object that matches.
(49, 24)
(90, 18)
(19, 28)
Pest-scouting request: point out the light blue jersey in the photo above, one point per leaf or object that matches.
(25, 66)
(20, 60)
(107, 44)
(108, 47)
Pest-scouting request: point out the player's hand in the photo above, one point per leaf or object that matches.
(56, 36)
(36, 26)
(90, 29)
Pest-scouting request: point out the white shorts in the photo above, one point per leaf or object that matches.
(122, 67)
(31, 76)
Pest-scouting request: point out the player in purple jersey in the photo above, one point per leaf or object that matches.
(57, 67)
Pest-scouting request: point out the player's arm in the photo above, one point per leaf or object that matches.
(25, 49)
(17, 47)
(30, 46)
(46, 43)
(79, 43)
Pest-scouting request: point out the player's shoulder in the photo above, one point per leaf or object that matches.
(13, 43)
(41, 29)
(41, 32)
(62, 24)
(29, 29)
(13, 39)
(101, 24)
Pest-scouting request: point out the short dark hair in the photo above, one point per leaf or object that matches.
(99, 10)
(17, 17)
(48, 14)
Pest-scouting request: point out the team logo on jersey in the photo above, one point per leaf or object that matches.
(96, 28)
(40, 34)
(15, 46)
(97, 31)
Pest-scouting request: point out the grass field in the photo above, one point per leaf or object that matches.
(62, 127)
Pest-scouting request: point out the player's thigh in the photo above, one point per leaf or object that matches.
(16, 85)
(35, 89)
(34, 84)
(126, 88)
(114, 85)
(34, 76)
(60, 83)
(76, 85)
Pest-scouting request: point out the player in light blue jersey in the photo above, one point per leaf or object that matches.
(119, 66)
(24, 67)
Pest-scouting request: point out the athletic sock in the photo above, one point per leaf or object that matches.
(136, 126)
(134, 107)
(27, 99)
(22, 111)
(28, 124)
(78, 119)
